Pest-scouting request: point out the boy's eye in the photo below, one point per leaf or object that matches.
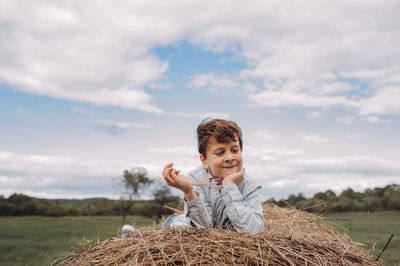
(235, 150)
(220, 153)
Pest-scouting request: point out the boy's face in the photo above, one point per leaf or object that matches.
(222, 159)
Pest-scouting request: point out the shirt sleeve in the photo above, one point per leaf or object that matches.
(199, 212)
(244, 212)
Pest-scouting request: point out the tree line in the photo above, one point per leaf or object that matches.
(136, 181)
(23, 205)
(376, 199)
(133, 184)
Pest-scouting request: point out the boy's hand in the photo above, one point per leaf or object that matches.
(179, 181)
(235, 178)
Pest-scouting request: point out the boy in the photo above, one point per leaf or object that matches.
(224, 197)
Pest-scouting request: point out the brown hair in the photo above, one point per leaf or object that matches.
(222, 130)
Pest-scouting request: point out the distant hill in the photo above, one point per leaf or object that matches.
(75, 202)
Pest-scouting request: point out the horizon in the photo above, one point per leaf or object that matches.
(152, 198)
(87, 91)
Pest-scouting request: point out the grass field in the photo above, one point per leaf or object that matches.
(365, 229)
(40, 240)
(36, 240)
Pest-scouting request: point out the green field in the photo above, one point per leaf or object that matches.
(40, 240)
(365, 229)
(36, 240)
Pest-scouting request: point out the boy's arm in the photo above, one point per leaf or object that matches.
(194, 207)
(244, 211)
(179, 181)
(199, 211)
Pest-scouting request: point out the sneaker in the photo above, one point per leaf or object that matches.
(127, 229)
(176, 220)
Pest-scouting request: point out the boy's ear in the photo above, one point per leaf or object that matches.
(204, 161)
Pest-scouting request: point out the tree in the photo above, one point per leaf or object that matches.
(23, 204)
(348, 193)
(325, 196)
(133, 183)
(293, 199)
(392, 197)
(6, 208)
(162, 196)
(321, 196)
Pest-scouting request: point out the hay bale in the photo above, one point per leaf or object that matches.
(290, 237)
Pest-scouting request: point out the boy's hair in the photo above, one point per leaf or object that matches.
(222, 130)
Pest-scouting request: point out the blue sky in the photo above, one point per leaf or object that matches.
(89, 90)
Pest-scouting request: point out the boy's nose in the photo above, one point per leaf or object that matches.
(228, 156)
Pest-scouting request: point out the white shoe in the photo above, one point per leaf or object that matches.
(127, 229)
(181, 220)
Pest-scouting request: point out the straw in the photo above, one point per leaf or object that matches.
(288, 238)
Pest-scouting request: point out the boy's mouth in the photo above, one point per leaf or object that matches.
(229, 167)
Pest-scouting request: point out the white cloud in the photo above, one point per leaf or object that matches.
(216, 84)
(265, 135)
(313, 115)
(345, 120)
(385, 101)
(373, 119)
(161, 85)
(314, 55)
(56, 177)
(181, 150)
(310, 55)
(338, 55)
(313, 137)
(185, 158)
(202, 115)
(283, 171)
(77, 52)
(115, 128)
(81, 110)
(365, 165)
(353, 136)
(281, 98)
(280, 171)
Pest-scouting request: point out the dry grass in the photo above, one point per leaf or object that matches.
(290, 237)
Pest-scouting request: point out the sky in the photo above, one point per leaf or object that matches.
(89, 89)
